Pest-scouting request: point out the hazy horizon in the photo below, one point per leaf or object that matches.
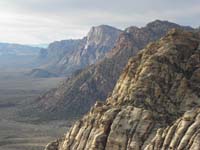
(40, 22)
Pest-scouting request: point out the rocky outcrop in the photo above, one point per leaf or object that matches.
(65, 57)
(166, 73)
(77, 94)
(157, 87)
(184, 134)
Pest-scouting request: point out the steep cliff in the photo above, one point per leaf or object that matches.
(77, 94)
(156, 88)
(65, 57)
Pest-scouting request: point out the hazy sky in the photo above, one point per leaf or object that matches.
(43, 21)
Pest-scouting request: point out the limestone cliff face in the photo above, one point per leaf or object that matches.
(158, 86)
(102, 38)
(66, 56)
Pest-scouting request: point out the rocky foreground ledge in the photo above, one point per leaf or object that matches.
(154, 106)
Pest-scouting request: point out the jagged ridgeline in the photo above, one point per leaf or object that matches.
(77, 94)
(154, 105)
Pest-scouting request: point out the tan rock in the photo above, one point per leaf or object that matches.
(154, 106)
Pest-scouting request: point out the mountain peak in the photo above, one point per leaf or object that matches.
(160, 22)
(157, 24)
(66, 56)
(102, 29)
(158, 57)
(102, 35)
(104, 26)
(156, 88)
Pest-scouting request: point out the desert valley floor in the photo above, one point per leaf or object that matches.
(16, 132)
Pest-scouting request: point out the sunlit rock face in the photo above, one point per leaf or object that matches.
(77, 94)
(154, 105)
(65, 57)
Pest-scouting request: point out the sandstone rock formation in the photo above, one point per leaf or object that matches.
(183, 134)
(158, 86)
(77, 94)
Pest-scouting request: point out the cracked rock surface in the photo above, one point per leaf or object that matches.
(154, 105)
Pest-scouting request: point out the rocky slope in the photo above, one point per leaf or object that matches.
(77, 94)
(40, 73)
(184, 133)
(64, 57)
(158, 86)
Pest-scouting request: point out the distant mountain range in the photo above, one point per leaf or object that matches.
(39, 45)
(66, 56)
(18, 50)
(13, 56)
(79, 92)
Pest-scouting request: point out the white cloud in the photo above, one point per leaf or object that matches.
(43, 21)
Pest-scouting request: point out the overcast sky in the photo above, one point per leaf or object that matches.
(44, 21)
